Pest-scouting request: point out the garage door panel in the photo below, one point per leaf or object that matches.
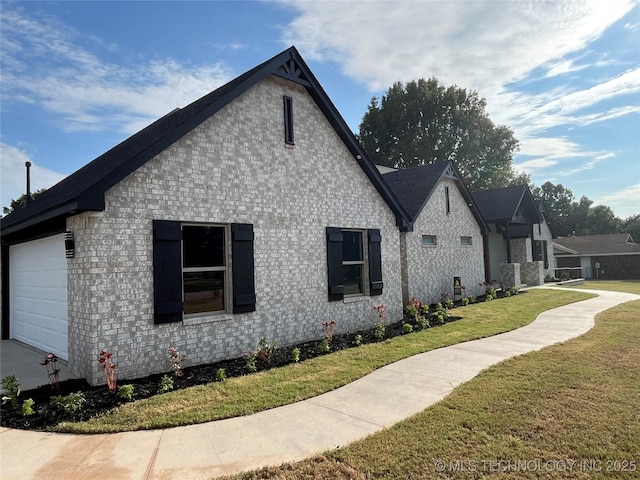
(38, 287)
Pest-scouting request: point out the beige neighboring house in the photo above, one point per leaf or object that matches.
(605, 257)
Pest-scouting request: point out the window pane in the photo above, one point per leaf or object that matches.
(428, 240)
(203, 246)
(352, 246)
(203, 292)
(465, 240)
(352, 279)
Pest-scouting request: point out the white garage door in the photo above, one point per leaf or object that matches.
(38, 290)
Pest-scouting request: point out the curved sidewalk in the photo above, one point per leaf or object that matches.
(291, 432)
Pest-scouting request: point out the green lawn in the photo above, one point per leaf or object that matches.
(569, 411)
(628, 286)
(264, 390)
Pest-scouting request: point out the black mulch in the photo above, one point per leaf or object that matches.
(99, 400)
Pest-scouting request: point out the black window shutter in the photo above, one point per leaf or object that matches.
(545, 254)
(375, 262)
(167, 271)
(244, 287)
(334, 264)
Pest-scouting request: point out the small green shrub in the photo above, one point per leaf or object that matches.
(407, 328)
(449, 303)
(473, 299)
(464, 302)
(422, 322)
(221, 375)
(27, 407)
(265, 351)
(69, 403)
(357, 340)
(250, 362)
(295, 355)
(125, 392)
(440, 317)
(166, 384)
(489, 297)
(507, 293)
(379, 331)
(12, 386)
(324, 346)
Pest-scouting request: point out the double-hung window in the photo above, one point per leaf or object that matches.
(195, 274)
(354, 263)
(353, 272)
(204, 268)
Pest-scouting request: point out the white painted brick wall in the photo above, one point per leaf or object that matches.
(234, 167)
(430, 269)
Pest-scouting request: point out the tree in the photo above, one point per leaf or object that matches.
(579, 217)
(21, 201)
(558, 201)
(632, 226)
(423, 123)
(601, 219)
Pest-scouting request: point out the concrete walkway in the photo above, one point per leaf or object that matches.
(292, 432)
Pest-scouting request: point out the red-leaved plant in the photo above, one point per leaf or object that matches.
(53, 372)
(109, 368)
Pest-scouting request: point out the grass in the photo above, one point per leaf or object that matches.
(568, 411)
(268, 389)
(627, 286)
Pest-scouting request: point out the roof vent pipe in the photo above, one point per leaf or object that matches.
(27, 198)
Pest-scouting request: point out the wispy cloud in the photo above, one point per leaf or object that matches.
(13, 179)
(626, 201)
(46, 64)
(488, 46)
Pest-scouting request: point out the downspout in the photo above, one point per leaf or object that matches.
(508, 243)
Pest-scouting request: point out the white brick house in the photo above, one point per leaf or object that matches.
(253, 212)
(447, 236)
(513, 256)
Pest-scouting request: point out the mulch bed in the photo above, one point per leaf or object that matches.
(99, 400)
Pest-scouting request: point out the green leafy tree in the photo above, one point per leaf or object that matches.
(632, 226)
(601, 219)
(579, 217)
(423, 122)
(20, 202)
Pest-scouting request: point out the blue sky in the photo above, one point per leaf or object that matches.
(79, 77)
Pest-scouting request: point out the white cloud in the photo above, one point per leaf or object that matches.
(488, 46)
(625, 203)
(13, 179)
(44, 63)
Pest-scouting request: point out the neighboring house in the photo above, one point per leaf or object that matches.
(541, 237)
(610, 256)
(511, 213)
(252, 212)
(446, 240)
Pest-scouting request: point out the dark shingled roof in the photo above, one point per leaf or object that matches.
(501, 204)
(414, 186)
(606, 244)
(84, 190)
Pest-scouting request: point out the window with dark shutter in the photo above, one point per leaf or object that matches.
(288, 121)
(375, 262)
(545, 254)
(167, 271)
(191, 273)
(334, 264)
(244, 289)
